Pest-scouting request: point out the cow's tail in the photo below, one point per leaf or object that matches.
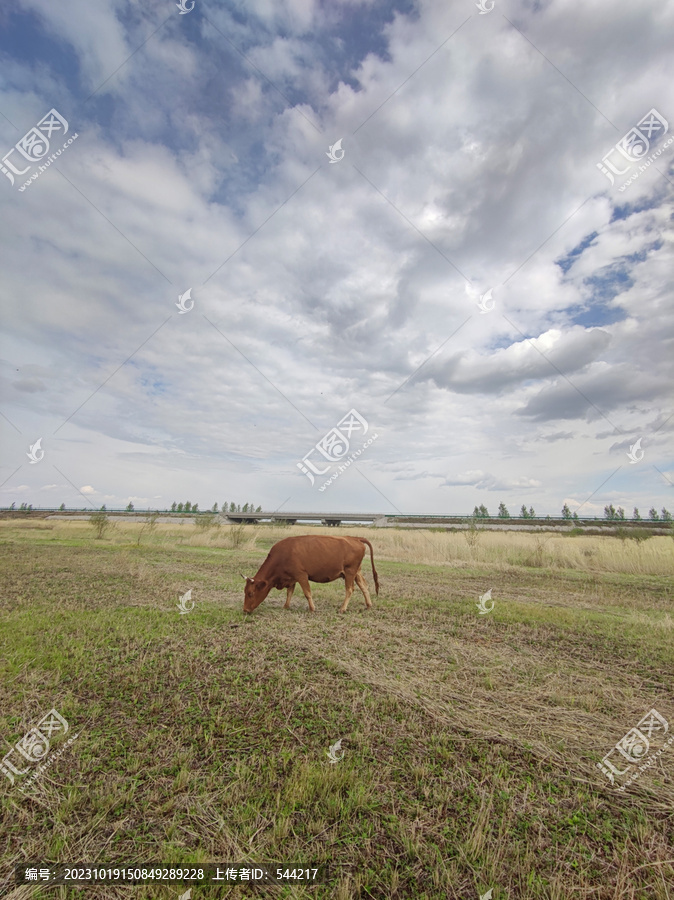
(374, 571)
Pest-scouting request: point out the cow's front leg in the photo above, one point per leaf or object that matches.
(289, 593)
(306, 587)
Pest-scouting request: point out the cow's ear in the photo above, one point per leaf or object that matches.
(261, 584)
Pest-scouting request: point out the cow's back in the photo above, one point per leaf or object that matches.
(315, 555)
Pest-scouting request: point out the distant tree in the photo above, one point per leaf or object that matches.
(103, 508)
(129, 508)
(188, 506)
(238, 508)
(259, 509)
(665, 515)
(180, 507)
(653, 514)
(225, 507)
(484, 512)
(195, 508)
(503, 511)
(620, 513)
(635, 515)
(609, 512)
(214, 508)
(232, 507)
(174, 506)
(566, 512)
(23, 506)
(245, 508)
(30, 507)
(62, 507)
(532, 512)
(476, 513)
(13, 506)
(523, 512)
(575, 517)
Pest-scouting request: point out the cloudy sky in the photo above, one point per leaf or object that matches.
(458, 269)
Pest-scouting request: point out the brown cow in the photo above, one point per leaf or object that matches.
(310, 558)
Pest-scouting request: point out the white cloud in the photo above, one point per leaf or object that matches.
(93, 30)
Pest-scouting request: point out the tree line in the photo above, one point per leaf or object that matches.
(610, 513)
(189, 507)
(480, 512)
(231, 508)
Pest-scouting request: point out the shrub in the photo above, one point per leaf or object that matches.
(206, 521)
(149, 525)
(472, 535)
(100, 523)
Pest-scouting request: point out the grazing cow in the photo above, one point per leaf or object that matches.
(310, 558)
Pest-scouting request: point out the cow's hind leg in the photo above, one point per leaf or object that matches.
(306, 587)
(348, 580)
(289, 593)
(362, 584)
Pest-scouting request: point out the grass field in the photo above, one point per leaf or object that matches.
(469, 742)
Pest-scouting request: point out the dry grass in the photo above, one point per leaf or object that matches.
(502, 550)
(490, 549)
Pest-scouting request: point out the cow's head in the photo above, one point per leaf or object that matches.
(255, 592)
